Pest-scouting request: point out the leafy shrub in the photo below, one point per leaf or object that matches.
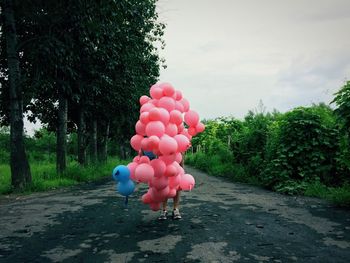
(302, 147)
(342, 101)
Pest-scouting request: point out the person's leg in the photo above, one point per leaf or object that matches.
(177, 200)
(165, 205)
(163, 212)
(176, 212)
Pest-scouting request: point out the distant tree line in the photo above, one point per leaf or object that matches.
(77, 66)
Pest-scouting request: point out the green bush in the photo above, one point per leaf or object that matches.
(216, 161)
(302, 147)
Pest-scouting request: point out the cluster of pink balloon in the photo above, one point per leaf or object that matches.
(161, 130)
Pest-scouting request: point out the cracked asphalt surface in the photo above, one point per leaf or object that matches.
(222, 222)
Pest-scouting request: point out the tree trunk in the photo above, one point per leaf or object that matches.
(103, 143)
(20, 170)
(81, 138)
(93, 153)
(62, 133)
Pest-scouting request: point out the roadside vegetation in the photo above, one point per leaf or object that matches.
(304, 151)
(42, 158)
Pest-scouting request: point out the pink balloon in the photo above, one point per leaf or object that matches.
(140, 128)
(185, 104)
(155, 206)
(192, 131)
(180, 127)
(135, 142)
(156, 92)
(159, 195)
(136, 159)
(185, 132)
(176, 117)
(144, 99)
(144, 159)
(132, 166)
(154, 102)
(153, 141)
(180, 170)
(172, 193)
(179, 106)
(170, 170)
(191, 118)
(155, 128)
(145, 144)
(178, 157)
(154, 114)
(160, 183)
(144, 117)
(167, 103)
(156, 151)
(200, 127)
(171, 129)
(144, 172)
(183, 142)
(174, 181)
(167, 145)
(168, 159)
(187, 182)
(168, 90)
(164, 116)
(146, 107)
(158, 166)
(146, 198)
(178, 95)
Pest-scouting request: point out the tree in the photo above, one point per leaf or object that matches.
(20, 170)
(85, 64)
(342, 101)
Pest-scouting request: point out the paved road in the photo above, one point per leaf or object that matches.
(222, 222)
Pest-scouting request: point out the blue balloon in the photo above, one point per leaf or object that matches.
(121, 173)
(126, 188)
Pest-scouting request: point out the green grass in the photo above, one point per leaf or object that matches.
(5, 178)
(338, 195)
(44, 175)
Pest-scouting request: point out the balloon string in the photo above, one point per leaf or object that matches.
(126, 201)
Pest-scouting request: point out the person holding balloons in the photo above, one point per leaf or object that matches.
(176, 202)
(163, 134)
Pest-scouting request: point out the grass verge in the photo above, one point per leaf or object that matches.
(44, 175)
(338, 195)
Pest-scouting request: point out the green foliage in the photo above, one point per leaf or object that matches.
(45, 177)
(5, 178)
(342, 101)
(293, 153)
(302, 147)
(218, 162)
(4, 145)
(338, 195)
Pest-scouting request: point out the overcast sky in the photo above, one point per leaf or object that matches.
(226, 55)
